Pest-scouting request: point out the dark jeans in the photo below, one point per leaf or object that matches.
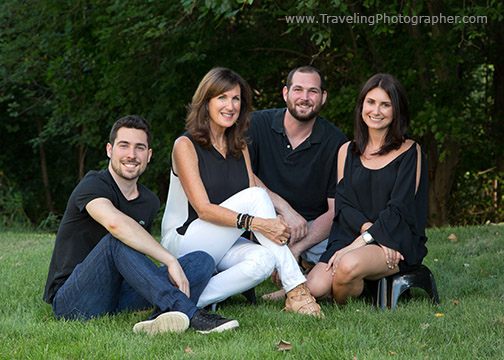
(115, 277)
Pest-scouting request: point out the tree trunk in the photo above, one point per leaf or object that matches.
(498, 92)
(43, 167)
(441, 174)
(441, 178)
(82, 149)
(498, 109)
(81, 153)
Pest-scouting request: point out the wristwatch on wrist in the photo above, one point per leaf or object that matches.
(368, 238)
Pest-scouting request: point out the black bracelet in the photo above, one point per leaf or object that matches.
(247, 224)
(249, 227)
(238, 219)
(242, 221)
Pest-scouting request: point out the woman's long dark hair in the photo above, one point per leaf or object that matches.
(396, 133)
(215, 82)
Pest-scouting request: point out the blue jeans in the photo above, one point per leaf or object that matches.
(114, 277)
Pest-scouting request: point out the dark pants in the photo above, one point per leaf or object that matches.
(115, 277)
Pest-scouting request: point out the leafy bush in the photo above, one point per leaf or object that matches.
(50, 224)
(478, 198)
(11, 205)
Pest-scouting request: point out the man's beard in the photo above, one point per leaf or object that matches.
(303, 117)
(116, 167)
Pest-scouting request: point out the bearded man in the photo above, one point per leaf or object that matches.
(294, 156)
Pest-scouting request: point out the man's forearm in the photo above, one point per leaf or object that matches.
(297, 223)
(278, 202)
(317, 232)
(127, 230)
(136, 237)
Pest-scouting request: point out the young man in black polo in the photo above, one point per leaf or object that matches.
(294, 154)
(100, 265)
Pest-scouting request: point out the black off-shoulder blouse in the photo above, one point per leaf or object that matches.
(386, 197)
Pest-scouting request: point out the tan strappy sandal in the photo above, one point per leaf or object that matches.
(301, 301)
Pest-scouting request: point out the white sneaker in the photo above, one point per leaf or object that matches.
(172, 321)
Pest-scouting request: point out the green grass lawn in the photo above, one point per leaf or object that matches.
(468, 324)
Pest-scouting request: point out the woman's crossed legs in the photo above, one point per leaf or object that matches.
(346, 277)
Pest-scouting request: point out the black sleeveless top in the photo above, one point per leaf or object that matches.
(222, 177)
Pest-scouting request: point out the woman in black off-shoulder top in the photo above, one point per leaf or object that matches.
(381, 197)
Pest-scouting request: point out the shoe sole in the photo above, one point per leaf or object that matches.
(173, 321)
(226, 326)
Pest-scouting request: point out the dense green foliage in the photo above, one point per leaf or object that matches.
(68, 70)
(467, 324)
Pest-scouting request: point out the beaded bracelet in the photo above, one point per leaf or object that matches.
(244, 221)
(240, 221)
(247, 222)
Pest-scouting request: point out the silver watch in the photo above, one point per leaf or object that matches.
(368, 238)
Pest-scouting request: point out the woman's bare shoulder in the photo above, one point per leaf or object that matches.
(407, 144)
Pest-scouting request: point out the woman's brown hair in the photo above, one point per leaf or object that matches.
(215, 82)
(396, 133)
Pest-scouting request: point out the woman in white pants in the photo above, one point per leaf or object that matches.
(212, 199)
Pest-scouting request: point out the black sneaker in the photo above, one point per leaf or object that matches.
(205, 323)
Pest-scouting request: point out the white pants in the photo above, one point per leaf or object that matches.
(241, 264)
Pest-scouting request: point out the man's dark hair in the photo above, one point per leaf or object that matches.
(305, 69)
(131, 122)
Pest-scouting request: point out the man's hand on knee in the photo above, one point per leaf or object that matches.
(178, 277)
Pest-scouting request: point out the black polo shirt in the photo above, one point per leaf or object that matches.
(306, 176)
